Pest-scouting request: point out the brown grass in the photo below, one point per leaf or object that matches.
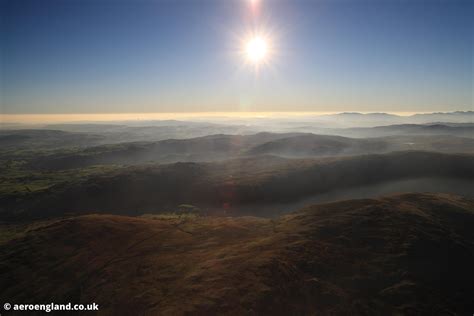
(403, 254)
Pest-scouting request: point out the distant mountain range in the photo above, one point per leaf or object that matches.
(424, 115)
(353, 119)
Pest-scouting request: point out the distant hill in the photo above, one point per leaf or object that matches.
(399, 255)
(208, 148)
(221, 147)
(256, 180)
(364, 116)
(443, 129)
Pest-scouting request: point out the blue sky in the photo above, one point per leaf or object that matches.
(106, 56)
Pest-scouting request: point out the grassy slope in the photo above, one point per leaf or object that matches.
(404, 254)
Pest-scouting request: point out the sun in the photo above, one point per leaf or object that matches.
(256, 50)
(257, 47)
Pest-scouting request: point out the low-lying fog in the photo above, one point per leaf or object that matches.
(422, 185)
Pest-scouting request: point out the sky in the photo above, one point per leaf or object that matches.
(139, 56)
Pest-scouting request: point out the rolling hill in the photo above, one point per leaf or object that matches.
(221, 147)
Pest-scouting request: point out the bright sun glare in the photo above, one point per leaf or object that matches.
(256, 50)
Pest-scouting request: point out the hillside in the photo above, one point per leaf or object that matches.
(223, 185)
(408, 254)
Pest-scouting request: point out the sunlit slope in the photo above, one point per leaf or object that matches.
(407, 254)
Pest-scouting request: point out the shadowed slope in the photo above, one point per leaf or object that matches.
(219, 185)
(410, 254)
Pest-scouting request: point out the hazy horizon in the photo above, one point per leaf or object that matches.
(116, 117)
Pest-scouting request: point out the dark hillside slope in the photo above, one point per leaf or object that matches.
(257, 180)
(400, 255)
